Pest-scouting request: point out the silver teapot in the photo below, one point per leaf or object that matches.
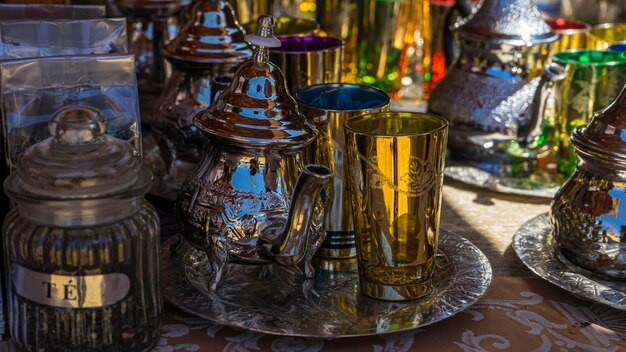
(245, 202)
(211, 45)
(493, 94)
(587, 217)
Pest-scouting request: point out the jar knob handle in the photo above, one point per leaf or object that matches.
(77, 125)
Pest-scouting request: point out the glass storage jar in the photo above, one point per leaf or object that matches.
(82, 244)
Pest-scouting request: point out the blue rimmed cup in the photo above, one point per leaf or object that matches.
(328, 106)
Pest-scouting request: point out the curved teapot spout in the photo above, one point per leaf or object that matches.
(552, 73)
(286, 243)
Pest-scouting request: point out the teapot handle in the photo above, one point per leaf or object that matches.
(460, 7)
(552, 73)
(218, 85)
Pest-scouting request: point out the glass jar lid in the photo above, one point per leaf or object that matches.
(212, 35)
(79, 161)
(256, 110)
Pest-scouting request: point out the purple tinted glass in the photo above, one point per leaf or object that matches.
(307, 44)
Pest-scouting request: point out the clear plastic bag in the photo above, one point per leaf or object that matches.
(47, 12)
(21, 39)
(32, 89)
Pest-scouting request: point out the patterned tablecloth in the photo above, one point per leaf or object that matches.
(520, 312)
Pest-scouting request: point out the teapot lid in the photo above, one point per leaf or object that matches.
(517, 22)
(605, 135)
(256, 110)
(212, 35)
(78, 162)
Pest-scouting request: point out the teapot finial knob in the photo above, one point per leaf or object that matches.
(263, 39)
(265, 26)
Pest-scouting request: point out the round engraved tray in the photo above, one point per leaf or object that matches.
(521, 186)
(275, 300)
(535, 246)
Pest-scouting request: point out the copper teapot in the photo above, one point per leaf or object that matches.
(493, 93)
(245, 202)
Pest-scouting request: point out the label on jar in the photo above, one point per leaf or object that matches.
(69, 291)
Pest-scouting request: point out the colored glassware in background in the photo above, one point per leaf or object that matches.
(249, 10)
(438, 18)
(603, 35)
(619, 47)
(337, 18)
(593, 80)
(387, 42)
(395, 165)
(433, 60)
(292, 17)
(308, 60)
(408, 60)
(328, 107)
(591, 11)
(288, 26)
(572, 34)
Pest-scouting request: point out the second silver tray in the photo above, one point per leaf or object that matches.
(478, 178)
(274, 300)
(535, 246)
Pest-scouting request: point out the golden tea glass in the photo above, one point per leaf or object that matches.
(572, 34)
(593, 79)
(603, 35)
(288, 26)
(395, 168)
(308, 60)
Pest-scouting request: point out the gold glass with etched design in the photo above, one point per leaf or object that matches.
(593, 79)
(395, 167)
(603, 35)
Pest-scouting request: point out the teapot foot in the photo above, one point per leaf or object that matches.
(309, 270)
(174, 247)
(217, 254)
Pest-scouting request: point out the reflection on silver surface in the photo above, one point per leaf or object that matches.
(164, 189)
(510, 185)
(488, 93)
(535, 246)
(587, 214)
(328, 106)
(247, 188)
(277, 300)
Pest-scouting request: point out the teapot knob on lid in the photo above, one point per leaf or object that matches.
(263, 39)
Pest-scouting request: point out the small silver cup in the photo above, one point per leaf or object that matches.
(328, 106)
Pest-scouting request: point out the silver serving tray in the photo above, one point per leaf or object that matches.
(535, 246)
(275, 300)
(479, 178)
